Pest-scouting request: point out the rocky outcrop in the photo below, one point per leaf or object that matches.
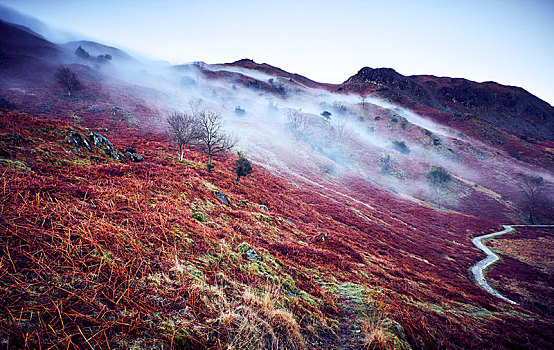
(78, 141)
(94, 139)
(393, 85)
(222, 198)
(511, 108)
(104, 144)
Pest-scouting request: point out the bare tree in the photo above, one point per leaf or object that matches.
(200, 66)
(183, 128)
(363, 101)
(385, 163)
(212, 139)
(298, 123)
(281, 86)
(439, 179)
(338, 129)
(532, 189)
(67, 79)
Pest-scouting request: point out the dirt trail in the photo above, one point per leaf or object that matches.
(480, 266)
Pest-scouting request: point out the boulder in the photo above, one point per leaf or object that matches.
(222, 198)
(104, 144)
(132, 155)
(99, 140)
(251, 254)
(45, 107)
(78, 141)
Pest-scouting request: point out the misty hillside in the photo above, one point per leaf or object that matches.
(353, 229)
(507, 107)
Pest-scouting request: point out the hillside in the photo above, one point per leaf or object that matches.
(149, 252)
(334, 242)
(510, 108)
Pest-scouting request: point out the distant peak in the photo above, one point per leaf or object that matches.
(366, 70)
(244, 61)
(375, 75)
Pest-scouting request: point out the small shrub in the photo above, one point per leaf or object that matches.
(199, 216)
(401, 147)
(385, 163)
(439, 180)
(243, 167)
(240, 111)
(326, 115)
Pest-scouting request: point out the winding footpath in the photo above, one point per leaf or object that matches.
(480, 266)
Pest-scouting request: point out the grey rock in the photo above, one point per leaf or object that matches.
(77, 140)
(251, 254)
(290, 222)
(99, 140)
(45, 107)
(222, 198)
(103, 143)
(134, 157)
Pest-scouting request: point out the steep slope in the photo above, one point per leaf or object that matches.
(163, 252)
(510, 108)
(18, 41)
(96, 49)
(277, 72)
(317, 249)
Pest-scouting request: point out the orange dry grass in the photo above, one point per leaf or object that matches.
(99, 254)
(256, 323)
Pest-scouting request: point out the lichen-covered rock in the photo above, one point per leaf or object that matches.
(77, 140)
(99, 140)
(222, 198)
(243, 247)
(134, 157)
(104, 144)
(251, 254)
(248, 252)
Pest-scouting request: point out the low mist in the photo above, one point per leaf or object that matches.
(341, 137)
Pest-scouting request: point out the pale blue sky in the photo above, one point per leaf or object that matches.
(510, 41)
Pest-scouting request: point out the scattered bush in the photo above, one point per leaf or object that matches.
(240, 111)
(243, 167)
(385, 163)
(401, 147)
(199, 216)
(326, 115)
(439, 179)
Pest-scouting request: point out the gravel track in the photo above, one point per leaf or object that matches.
(480, 266)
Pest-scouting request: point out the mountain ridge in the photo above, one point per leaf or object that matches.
(509, 107)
